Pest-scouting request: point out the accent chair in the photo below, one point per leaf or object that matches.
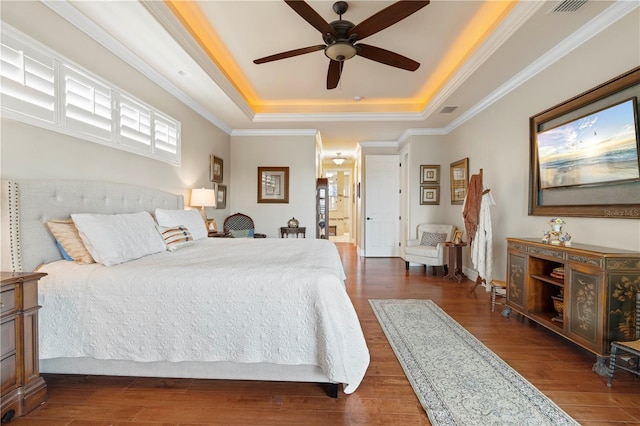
(240, 225)
(428, 248)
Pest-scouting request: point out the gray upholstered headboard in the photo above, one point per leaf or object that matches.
(27, 205)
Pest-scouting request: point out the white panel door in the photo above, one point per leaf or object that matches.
(382, 206)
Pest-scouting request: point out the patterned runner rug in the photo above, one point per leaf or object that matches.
(457, 379)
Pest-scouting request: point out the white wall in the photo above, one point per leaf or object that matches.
(296, 152)
(497, 140)
(32, 152)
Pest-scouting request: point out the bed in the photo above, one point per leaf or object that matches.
(250, 309)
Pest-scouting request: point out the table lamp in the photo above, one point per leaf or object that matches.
(201, 197)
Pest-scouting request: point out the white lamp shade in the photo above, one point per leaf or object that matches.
(203, 197)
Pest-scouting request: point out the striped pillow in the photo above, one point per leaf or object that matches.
(176, 237)
(67, 236)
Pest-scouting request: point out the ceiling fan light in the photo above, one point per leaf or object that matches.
(340, 51)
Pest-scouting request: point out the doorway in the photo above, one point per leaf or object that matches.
(340, 204)
(382, 205)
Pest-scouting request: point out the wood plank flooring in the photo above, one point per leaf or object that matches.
(558, 368)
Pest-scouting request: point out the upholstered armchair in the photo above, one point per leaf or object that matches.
(240, 225)
(428, 247)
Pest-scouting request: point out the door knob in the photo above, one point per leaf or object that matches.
(368, 218)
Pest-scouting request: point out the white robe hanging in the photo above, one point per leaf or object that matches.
(482, 247)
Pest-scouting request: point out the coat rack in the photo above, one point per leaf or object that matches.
(480, 279)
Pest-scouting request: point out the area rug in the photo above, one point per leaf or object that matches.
(457, 379)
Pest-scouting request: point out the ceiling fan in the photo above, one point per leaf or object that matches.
(340, 37)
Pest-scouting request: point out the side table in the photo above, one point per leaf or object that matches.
(23, 389)
(455, 261)
(285, 230)
(216, 234)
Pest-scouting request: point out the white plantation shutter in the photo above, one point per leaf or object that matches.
(42, 88)
(135, 124)
(166, 135)
(27, 84)
(87, 106)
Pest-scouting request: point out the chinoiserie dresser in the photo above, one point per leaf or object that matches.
(22, 387)
(584, 293)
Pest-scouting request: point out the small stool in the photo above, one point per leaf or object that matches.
(499, 289)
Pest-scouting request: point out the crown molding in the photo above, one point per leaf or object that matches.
(515, 19)
(179, 33)
(90, 28)
(607, 18)
(518, 16)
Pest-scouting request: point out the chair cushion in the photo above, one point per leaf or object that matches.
(241, 233)
(424, 251)
(432, 239)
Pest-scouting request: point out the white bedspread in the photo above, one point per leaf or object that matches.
(245, 300)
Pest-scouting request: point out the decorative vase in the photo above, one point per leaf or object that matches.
(556, 231)
(293, 223)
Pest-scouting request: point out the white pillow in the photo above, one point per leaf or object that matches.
(116, 238)
(192, 219)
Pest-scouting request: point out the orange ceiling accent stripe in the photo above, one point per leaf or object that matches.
(192, 18)
(475, 33)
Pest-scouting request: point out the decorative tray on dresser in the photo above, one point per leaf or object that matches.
(22, 388)
(583, 292)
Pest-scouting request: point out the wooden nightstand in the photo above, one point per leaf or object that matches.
(22, 388)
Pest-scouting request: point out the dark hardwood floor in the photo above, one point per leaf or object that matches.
(558, 368)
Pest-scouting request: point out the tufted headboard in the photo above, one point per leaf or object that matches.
(27, 205)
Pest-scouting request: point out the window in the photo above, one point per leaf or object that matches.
(28, 86)
(42, 88)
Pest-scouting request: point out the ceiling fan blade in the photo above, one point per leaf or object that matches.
(387, 17)
(311, 16)
(333, 75)
(386, 57)
(289, 54)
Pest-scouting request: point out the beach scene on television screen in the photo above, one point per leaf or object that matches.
(598, 149)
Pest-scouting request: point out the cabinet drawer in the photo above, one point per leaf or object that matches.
(7, 301)
(8, 374)
(7, 337)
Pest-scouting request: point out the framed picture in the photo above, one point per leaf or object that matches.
(459, 180)
(215, 168)
(457, 236)
(429, 195)
(429, 174)
(585, 153)
(221, 196)
(273, 184)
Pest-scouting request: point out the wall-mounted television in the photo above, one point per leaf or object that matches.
(596, 149)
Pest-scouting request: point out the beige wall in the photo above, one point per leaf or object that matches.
(497, 140)
(32, 152)
(296, 152)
